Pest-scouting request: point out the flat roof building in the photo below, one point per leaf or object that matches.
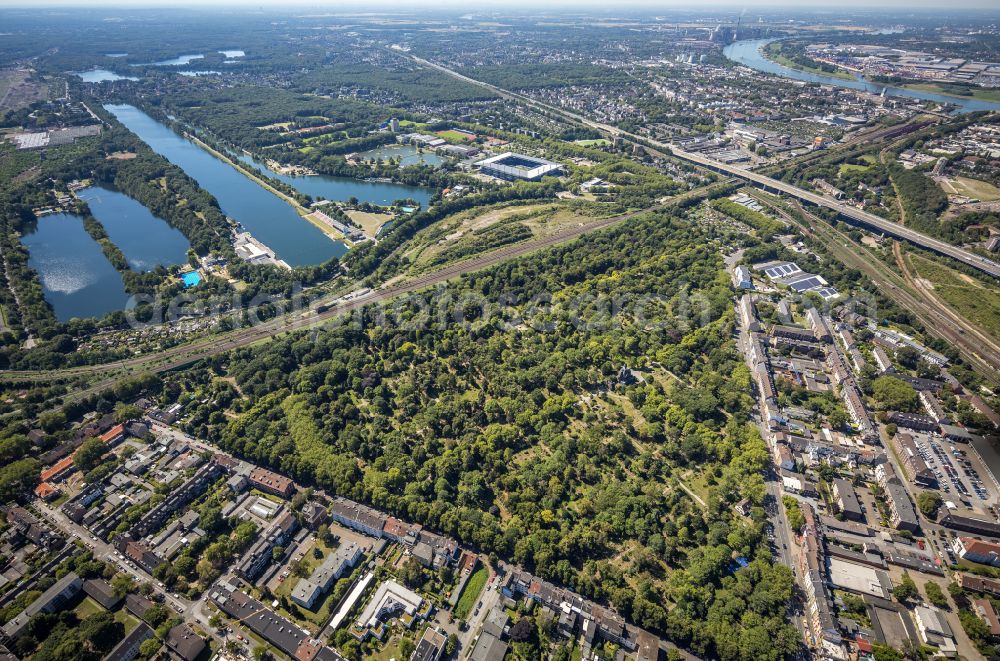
(430, 647)
(903, 515)
(391, 600)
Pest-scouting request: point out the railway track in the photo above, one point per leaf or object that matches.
(324, 310)
(938, 322)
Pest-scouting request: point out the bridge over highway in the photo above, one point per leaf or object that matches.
(868, 220)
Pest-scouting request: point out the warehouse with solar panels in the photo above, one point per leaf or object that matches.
(793, 277)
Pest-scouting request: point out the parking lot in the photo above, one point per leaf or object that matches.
(961, 476)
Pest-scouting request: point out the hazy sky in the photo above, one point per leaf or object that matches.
(544, 6)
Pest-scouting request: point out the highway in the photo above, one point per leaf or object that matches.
(942, 323)
(864, 218)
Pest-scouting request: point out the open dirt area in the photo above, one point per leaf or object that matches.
(973, 188)
(18, 91)
(369, 222)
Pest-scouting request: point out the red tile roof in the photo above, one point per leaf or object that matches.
(45, 490)
(113, 433)
(57, 468)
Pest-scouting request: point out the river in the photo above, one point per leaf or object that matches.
(749, 53)
(77, 279)
(344, 188)
(268, 217)
(146, 241)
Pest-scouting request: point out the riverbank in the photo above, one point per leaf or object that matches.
(751, 53)
(989, 95)
(305, 213)
(773, 52)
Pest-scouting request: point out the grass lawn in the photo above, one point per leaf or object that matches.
(974, 188)
(86, 608)
(470, 594)
(977, 93)
(321, 614)
(454, 136)
(773, 53)
(599, 142)
(847, 168)
(369, 222)
(972, 298)
(127, 619)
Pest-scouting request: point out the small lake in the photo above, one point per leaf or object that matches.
(146, 240)
(178, 61)
(233, 53)
(199, 73)
(749, 53)
(100, 76)
(344, 188)
(407, 155)
(77, 279)
(269, 218)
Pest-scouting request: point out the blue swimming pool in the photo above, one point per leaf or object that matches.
(190, 279)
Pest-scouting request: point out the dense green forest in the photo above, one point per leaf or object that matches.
(508, 430)
(236, 114)
(411, 83)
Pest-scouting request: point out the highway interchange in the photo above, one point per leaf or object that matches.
(330, 308)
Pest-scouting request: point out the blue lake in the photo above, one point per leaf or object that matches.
(180, 60)
(77, 279)
(750, 53)
(146, 240)
(269, 218)
(407, 155)
(100, 76)
(344, 188)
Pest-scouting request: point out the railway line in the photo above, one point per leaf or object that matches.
(938, 322)
(854, 215)
(323, 310)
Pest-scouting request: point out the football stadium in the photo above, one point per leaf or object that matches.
(510, 167)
